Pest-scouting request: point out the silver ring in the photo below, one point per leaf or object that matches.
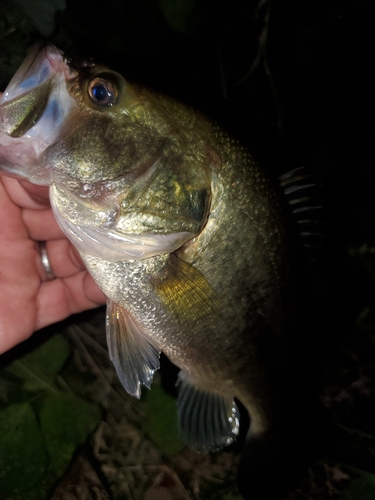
(45, 260)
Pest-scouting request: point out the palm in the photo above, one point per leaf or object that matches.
(27, 301)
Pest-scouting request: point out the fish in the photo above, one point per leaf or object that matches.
(180, 227)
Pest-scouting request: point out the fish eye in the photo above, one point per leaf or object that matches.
(102, 92)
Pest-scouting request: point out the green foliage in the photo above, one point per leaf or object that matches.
(23, 453)
(50, 358)
(38, 368)
(361, 488)
(161, 418)
(42, 424)
(66, 420)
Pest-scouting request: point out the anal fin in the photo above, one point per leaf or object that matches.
(134, 354)
(208, 420)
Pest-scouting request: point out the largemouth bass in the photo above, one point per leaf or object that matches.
(178, 225)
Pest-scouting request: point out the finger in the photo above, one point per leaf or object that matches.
(38, 192)
(19, 286)
(63, 258)
(56, 300)
(11, 222)
(41, 224)
(15, 325)
(60, 298)
(26, 198)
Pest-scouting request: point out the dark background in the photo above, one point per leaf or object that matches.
(294, 80)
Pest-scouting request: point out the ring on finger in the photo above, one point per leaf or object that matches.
(45, 261)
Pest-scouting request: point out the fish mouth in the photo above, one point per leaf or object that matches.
(33, 109)
(41, 63)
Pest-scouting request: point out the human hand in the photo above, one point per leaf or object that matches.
(28, 301)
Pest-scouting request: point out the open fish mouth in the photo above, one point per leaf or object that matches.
(33, 109)
(40, 65)
(28, 93)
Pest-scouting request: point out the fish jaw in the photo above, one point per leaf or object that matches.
(33, 110)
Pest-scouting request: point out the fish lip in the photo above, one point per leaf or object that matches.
(59, 61)
(48, 49)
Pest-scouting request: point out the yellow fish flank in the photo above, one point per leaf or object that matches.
(178, 225)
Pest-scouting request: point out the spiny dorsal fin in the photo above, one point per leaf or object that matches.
(286, 178)
(208, 420)
(134, 354)
(304, 197)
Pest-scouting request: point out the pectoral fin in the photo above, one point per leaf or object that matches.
(134, 354)
(189, 297)
(208, 420)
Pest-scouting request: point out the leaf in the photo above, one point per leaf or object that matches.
(23, 453)
(43, 432)
(39, 367)
(162, 420)
(362, 488)
(49, 358)
(66, 421)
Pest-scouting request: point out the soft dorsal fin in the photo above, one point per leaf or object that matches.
(134, 354)
(208, 420)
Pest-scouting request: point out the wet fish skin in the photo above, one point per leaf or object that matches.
(183, 232)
